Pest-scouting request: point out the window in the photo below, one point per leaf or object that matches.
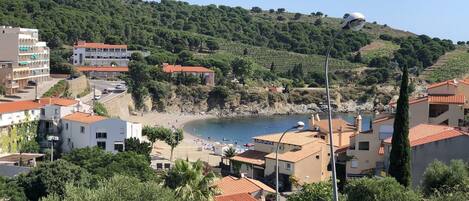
(119, 147)
(66, 126)
(364, 146)
(288, 166)
(43, 111)
(82, 129)
(354, 163)
(101, 145)
(56, 111)
(101, 135)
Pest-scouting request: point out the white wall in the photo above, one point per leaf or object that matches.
(117, 131)
(7, 119)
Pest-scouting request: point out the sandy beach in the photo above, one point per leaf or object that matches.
(189, 147)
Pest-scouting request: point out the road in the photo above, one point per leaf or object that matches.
(100, 85)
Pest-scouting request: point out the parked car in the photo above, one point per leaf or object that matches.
(97, 97)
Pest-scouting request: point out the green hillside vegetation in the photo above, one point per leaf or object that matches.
(372, 28)
(378, 48)
(453, 65)
(282, 60)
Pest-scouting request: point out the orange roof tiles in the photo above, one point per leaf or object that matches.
(84, 117)
(426, 133)
(83, 44)
(16, 106)
(437, 137)
(235, 197)
(103, 68)
(251, 157)
(458, 99)
(190, 69)
(298, 155)
(299, 138)
(232, 185)
(448, 82)
(412, 101)
(337, 124)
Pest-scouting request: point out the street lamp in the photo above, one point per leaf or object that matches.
(354, 22)
(299, 125)
(52, 138)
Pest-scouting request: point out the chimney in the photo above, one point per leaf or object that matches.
(358, 123)
(312, 122)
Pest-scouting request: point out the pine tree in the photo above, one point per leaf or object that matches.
(400, 153)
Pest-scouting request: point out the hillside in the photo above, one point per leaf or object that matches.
(454, 64)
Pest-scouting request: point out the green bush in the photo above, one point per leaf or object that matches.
(99, 109)
(378, 189)
(57, 90)
(441, 178)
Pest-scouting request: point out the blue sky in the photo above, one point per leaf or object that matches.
(437, 18)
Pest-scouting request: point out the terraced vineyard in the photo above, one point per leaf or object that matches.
(283, 60)
(378, 48)
(454, 64)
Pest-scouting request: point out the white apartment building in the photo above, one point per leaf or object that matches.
(23, 58)
(81, 130)
(100, 54)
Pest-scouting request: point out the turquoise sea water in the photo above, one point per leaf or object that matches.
(241, 130)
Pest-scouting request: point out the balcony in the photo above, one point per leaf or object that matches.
(12, 85)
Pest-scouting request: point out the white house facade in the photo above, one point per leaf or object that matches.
(81, 130)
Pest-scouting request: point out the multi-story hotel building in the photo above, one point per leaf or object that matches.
(100, 54)
(23, 58)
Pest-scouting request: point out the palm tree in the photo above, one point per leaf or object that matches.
(230, 153)
(173, 138)
(190, 182)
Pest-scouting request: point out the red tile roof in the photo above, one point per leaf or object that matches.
(448, 82)
(337, 124)
(235, 197)
(412, 101)
(425, 133)
(232, 185)
(458, 99)
(103, 68)
(84, 117)
(251, 157)
(83, 44)
(16, 106)
(190, 69)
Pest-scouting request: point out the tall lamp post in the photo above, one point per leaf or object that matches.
(52, 138)
(353, 21)
(299, 125)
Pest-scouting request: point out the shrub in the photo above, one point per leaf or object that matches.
(441, 178)
(382, 189)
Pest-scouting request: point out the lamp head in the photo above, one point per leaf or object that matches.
(299, 125)
(353, 21)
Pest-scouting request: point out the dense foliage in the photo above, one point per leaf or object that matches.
(440, 178)
(50, 178)
(190, 181)
(172, 25)
(387, 189)
(399, 158)
(115, 189)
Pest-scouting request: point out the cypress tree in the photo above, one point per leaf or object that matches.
(400, 153)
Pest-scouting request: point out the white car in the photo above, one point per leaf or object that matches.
(119, 86)
(97, 97)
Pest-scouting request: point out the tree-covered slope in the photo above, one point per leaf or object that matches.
(152, 24)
